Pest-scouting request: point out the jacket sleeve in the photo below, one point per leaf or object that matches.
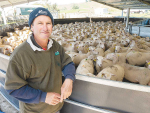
(16, 76)
(69, 71)
(17, 86)
(28, 94)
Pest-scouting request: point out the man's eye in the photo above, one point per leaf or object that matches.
(48, 23)
(39, 23)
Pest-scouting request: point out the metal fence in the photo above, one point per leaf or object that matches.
(14, 19)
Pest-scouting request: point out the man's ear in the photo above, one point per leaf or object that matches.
(32, 27)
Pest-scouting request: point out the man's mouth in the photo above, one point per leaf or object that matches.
(45, 32)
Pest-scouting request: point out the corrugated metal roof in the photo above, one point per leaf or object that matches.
(124, 4)
(7, 3)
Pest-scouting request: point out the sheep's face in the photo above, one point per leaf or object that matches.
(147, 39)
(128, 40)
(92, 57)
(148, 64)
(117, 49)
(101, 45)
(110, 56)
(99, 61)
(80, 47)
(106, 75)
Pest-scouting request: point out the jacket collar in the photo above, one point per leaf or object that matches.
(49, 45)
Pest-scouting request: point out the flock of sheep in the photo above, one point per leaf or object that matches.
(98, 49)
(13, 39)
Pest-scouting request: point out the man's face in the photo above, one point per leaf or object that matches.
(42, 27)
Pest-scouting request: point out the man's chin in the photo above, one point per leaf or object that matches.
(46, 36)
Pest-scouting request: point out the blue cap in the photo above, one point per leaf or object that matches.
(37, 12)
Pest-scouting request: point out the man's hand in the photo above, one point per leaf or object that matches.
(52, 98)
(66, 89)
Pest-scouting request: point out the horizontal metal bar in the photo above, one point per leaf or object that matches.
(88, 106)
(107, 0)
(1, 83)
(130, 5)
(3, 0)
(140, 25)
(125, 85)
(4, 56)
(3, 71)
(148, 7)
(17, 3)
(144, 6)
(139, 4)
(123, 2)
(145, 2)
(107, 4)
(9, 101)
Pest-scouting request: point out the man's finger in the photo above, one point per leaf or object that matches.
(65, 96)
(62, 97)
(57, 95)
(54, 103)
(56, 99)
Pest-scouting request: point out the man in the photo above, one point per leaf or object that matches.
(34, 73)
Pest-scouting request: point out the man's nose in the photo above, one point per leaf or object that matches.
(45, 27)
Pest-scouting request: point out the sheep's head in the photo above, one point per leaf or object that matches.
(101, 45)
(132, 44)
(81, 47)
(128, 40)
(147, 64)
(147, 39)
(117, 49)
(99, 60)
(113, 57)
(124, 42)
(106, 75)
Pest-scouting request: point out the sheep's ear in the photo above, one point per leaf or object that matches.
(103, 74)
(147, 61)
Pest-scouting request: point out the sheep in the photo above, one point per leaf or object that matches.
(91, 75)
(83, 48)
(69, 47)
(147, 64)
(101, 45)
(119, 49)
(1, 40)
(116, 57)
(93, 43)
(77, 58)
(108, 44)
(119, 57)
(147, 39)
(110, 50)
(147, 43)
(137, 58)
(134, 46)
(100, 51)
(137, 74)
(102, 62)
(86, 66)
(96, 51)
(115, 72)
(6, 49)
(124, 43)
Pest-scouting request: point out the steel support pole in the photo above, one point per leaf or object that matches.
(128, 14)
(89, 107)
(122, 13)
(4, 17)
